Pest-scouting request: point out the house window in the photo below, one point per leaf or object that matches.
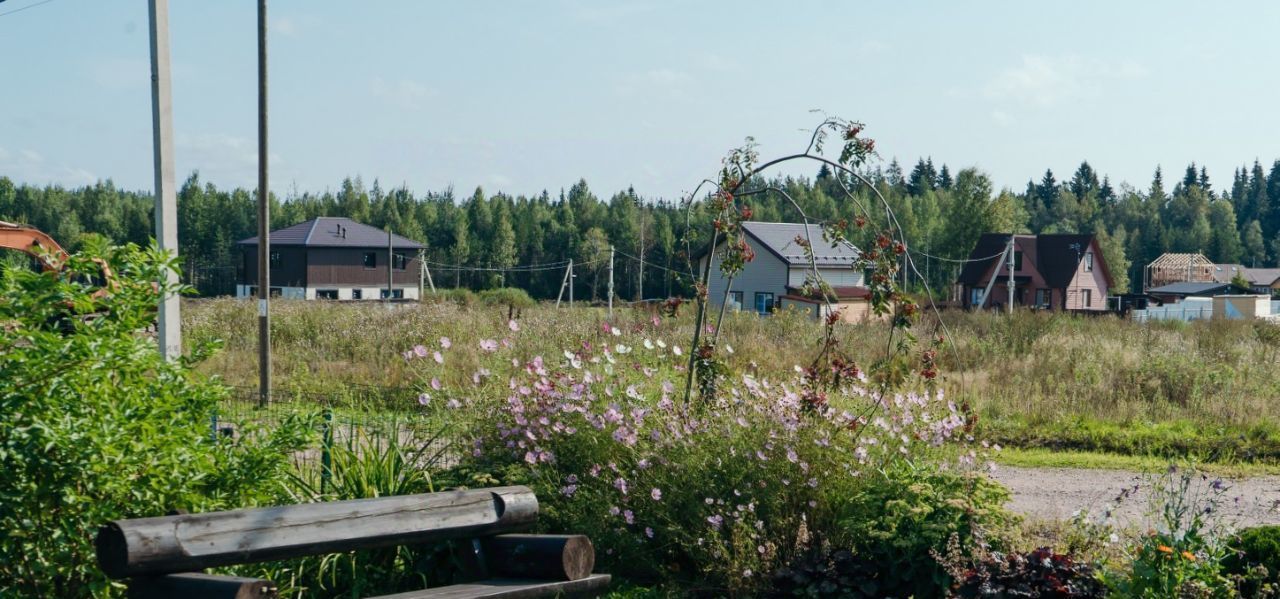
(327, 294)
(253, 291)
(764, 302)
(975, 296)
(735, 300)
(1017, 260)
(370, 259)
(275, 259)
(1044, 299)
(357, 294)
(1087, 298)
(1088, 262)
(399, 261)
(395, 294)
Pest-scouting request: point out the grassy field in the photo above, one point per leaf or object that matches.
(1070, 384)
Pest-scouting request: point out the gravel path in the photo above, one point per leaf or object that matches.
(1056, 493)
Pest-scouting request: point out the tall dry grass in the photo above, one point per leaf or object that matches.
(1044, 371)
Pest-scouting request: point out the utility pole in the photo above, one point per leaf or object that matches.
(564, 282)
(1012, 250)
(640, 284)
(572, 276)
(264, 222)
(391, 259)
(169, 325)
(611, 282)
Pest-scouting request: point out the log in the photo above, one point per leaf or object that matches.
(200, 586)
(547, 557)
(512, 589)
(173, 544)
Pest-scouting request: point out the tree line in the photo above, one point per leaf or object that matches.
(487, 240)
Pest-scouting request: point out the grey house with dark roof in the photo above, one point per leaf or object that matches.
(780, 267)
(333, 258)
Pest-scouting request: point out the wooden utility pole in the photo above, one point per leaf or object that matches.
(264, 220)
(169, 325)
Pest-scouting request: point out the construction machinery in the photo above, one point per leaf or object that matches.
(46, 251)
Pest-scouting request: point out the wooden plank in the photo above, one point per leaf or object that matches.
(499, 588)
(184, 543)
(544, 557)
(200, 586)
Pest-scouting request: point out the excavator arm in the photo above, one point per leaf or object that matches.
(51, 256)
(33, 241)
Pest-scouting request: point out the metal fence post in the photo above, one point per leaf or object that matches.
(213, 424)
(326, 446)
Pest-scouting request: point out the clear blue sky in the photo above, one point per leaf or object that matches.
(525, 96)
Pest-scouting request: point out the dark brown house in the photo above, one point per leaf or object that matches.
(1050, 272)
(333, 258)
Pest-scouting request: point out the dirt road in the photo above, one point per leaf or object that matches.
(1057, 493)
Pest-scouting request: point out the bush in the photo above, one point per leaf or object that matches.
(98, 426)
(901, 520)
(1254, 561)
(459, 295)
(513, 297)
(1039, 573)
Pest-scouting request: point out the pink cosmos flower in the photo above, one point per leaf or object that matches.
(488, 345)
(424, 398)
(445, 343)
(648, 532)
(420, 351)
(438, 357)
(629, 516)
(513, 325)
(656, 494)
(435, 383)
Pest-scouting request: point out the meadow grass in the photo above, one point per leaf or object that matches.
(1045, 381)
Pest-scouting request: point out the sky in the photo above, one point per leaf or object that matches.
(522, 96)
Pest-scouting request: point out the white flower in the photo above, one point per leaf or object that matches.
(728, 348)
(648, 344)
(615, 331)
(675, 349)
(622, 349)
(662, 344)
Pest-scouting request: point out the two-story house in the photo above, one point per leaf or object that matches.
(333, 258)
(775, 277)
(1050, 272)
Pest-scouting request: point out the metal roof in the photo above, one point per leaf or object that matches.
(1190, 288)
(332, 231)
(1262, 277)
(780, 238)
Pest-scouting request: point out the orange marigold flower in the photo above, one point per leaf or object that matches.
(1164, 549)
(1190, 556)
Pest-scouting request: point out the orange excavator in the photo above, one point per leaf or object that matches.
(46, 251)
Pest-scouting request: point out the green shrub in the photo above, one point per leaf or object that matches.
(458, 295)
(901, 520)
(512, 297)
(98, 426)
(1254, 560)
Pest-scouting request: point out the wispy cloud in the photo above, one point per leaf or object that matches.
(227, 159)
(30, 166)
(283, 26)
(403, 93)
(1043, 81)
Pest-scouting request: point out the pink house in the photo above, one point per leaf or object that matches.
(1050, 272)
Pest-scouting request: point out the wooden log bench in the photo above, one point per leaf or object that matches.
(164, 556)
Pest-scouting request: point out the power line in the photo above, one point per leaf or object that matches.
(16, 10)
(954, 260)
(651, 264)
